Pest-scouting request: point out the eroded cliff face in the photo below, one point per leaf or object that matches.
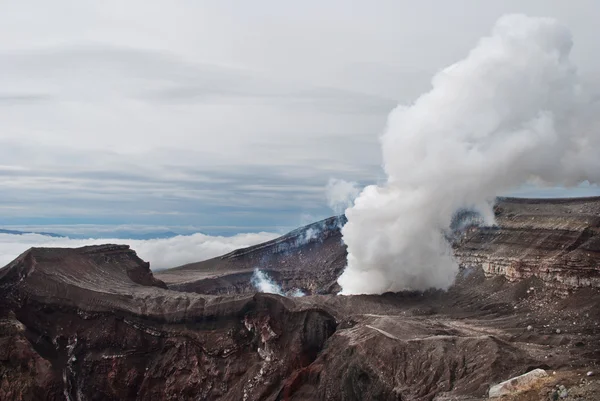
(557, 241)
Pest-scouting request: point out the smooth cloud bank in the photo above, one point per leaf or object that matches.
(510, 113)
(161, 253)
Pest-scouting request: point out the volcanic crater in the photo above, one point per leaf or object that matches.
(95, 323)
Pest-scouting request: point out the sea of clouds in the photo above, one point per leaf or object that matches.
(161, 253)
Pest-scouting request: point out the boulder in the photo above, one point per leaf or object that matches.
(517, 384)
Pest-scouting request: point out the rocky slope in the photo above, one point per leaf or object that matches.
(310, 259)
(95, 324)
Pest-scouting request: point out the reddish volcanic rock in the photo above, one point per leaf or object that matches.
(92, 323)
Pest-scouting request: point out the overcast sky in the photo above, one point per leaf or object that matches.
(221, 116)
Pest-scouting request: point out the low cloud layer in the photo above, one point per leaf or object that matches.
(161, 253)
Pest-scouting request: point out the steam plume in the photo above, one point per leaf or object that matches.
(263, 283)
(341, 194)
(511, 112)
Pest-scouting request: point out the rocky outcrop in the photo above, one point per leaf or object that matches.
(518, 384)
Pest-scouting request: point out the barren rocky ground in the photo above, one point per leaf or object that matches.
(95, 324)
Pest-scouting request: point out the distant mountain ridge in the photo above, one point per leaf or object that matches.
(109, 235)
(17, 232)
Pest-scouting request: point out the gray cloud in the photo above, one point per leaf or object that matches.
(221, 113)
(20, 98)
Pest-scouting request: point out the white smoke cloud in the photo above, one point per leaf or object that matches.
(296, 292)
(510, 113)
(263, 283)
(161, 253)
(341, 194)
(310, 235)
